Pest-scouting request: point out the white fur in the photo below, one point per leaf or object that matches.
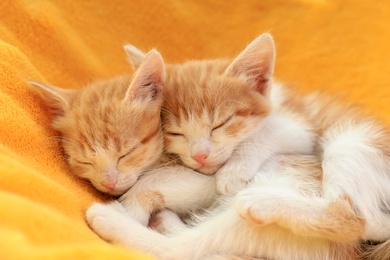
(353, 166)
(279, 134)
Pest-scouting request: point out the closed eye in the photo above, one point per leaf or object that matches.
(84, 163)
(128, 153)
(174, 134)
(223, 123)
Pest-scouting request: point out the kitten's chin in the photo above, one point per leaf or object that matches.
(208, 170)
(115, 193)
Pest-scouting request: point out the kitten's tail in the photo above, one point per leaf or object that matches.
(376, 252)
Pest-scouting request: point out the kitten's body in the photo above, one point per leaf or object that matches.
(284, 218)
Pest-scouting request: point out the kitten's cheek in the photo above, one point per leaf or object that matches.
(86, 176)
(116, 192)
(79, 171)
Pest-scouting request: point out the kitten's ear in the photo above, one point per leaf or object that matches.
(256, 63)
(135, 56)
(56, 98)
(148, 79)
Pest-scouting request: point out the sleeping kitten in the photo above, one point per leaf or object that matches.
(110, 130)
(279, 213)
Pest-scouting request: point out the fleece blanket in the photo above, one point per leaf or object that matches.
(339, 47)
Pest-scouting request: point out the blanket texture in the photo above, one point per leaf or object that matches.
(340, 47)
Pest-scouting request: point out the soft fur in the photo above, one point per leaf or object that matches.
(110, 130)
(233, 114)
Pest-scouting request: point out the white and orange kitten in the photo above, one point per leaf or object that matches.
(110, 130)
(232, 119)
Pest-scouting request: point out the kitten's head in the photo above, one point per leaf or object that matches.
(212, 106)
(110, 130)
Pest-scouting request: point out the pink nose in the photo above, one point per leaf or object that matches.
(200, 158)
(109, 184)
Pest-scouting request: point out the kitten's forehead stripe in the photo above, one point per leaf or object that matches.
(106, 138)
(206, 117)
(85, 143)
(117, 141)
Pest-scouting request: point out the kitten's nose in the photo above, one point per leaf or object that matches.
(109, 184)
(200, 158)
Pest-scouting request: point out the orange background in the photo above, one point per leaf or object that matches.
(341, 47)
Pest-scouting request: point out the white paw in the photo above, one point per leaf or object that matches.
(229, 181)
(166, 222)
(257, 206)
(106, 219)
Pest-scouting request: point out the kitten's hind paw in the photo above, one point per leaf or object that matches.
(166, 222)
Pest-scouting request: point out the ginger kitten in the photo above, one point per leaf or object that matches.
(110, 130)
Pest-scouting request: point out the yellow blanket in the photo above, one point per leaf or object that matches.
(341, 47)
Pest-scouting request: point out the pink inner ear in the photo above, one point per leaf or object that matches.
(256, 63)
(56, 98)
(262, 85)
(148, 79)
(147, 87)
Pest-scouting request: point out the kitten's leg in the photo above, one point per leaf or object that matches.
(355, 163)
(305, 216)
(114, 224)
(198, 243)
(175, 187)
(223, 231)
(278, 134)
(287, 192)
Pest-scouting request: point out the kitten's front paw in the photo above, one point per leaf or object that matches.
(105, 219)
(229, 181)
(166, 222)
